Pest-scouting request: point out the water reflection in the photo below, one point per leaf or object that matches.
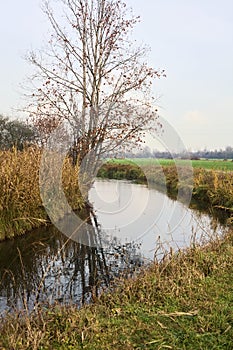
(148, 217)
(44, 266)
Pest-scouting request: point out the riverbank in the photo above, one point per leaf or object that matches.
(21, 208)
(207, 164)
(182, 302)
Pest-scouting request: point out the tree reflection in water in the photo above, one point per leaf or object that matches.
(45, 267)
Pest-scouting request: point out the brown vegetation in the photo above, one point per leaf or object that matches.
(21, 207)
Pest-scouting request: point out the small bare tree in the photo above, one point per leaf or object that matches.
(92, 76)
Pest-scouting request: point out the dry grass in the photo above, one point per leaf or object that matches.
(214, 187)
(20, 204)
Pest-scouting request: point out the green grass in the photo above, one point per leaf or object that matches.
(183, 302)
(204, 164)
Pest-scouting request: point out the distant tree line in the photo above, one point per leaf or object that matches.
(227, 153)
(16, 133)
(146, 152)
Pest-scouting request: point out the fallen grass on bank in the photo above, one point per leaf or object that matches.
(21, 207)
(182, 302)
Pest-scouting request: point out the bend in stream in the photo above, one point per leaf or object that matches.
(133, 221)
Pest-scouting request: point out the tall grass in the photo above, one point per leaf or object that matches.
(215, 188)
(21, 207)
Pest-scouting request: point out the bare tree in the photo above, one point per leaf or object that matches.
(92, 76)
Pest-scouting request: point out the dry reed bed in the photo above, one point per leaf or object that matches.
(21, 207)
(215, 187)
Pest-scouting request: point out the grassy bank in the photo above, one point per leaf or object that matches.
(21, 208)
(218, 164)
(212, 189)
(183, 302)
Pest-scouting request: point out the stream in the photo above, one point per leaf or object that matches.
(135, 226)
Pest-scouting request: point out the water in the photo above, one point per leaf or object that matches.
(133, 223)
(134, 213)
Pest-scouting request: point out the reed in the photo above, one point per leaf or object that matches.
(21, 207)
(215, 188)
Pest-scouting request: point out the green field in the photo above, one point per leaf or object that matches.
(204, 164)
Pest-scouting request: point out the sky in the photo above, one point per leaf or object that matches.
(191, 39)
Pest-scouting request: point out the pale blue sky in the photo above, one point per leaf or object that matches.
(191, 39)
